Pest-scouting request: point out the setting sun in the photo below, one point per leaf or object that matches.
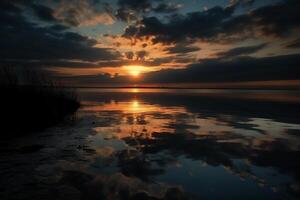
(135, 73)
(135, 70)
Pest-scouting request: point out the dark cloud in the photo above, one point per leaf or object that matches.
(141, 5)
(208, 71)
(131, 10)
(131, 32)
(44, 13)
(294, 44)
(22, 40)
(95, 80)
(129, 55)
(272, 20)
(8, 6)
(240, 69)
(144, 45)
(71, 13)
(180, 58)
(75, 64)
(181, 49)
(140, 55)
(240, 51)
(58, 27)
(218, 23)
(126, 15)
(165, 8)
(191, 25)
(241, 2)
(38, 43)
(108, 8)
(49, 63)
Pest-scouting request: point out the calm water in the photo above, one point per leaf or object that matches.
(167, 144)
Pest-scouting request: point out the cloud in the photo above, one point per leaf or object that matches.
(51, 40)
(239, 69)
(178, 59)
(208, 71)
(131, 32)
(272, 20)
(23, 40)
(58, 27)
(83, 13)
(181, 49)
(125, 15)
(37, 43)
(219, 23)
(166, 8)
(129, 55)
(49, 63)
(192, 25)
(240, 51)
(94, 80)
(241, 2)
(71, 13)
(132, 10)
(44, 13)
(140, 55)
(294, 44)
(9, 7)
(139, 5)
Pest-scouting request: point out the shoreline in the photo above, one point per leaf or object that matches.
(178, 88)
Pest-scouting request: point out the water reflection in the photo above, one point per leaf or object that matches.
(211, 146)
(145, 144)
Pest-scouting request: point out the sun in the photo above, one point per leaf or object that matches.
(135, 70)
(135, 73)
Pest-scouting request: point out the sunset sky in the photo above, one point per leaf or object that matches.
(99, 42)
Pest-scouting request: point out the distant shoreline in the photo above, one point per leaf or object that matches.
(248, 85)
(178, 88)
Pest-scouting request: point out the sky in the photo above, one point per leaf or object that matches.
(153, 42)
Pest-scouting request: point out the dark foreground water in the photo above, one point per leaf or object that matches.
(162, 144)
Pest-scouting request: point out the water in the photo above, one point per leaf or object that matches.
(167, 144)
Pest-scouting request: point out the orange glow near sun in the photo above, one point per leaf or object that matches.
(135, 70)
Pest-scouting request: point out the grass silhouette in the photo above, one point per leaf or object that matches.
(31, 101)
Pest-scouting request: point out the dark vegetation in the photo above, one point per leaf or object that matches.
(31, 101)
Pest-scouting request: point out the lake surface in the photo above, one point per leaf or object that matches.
(162, 144)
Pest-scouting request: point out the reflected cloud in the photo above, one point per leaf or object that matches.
(119, 187)
(162, 132)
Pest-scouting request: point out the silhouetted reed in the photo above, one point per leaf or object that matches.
(31, 101)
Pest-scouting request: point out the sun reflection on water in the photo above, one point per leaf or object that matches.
(135, 105)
